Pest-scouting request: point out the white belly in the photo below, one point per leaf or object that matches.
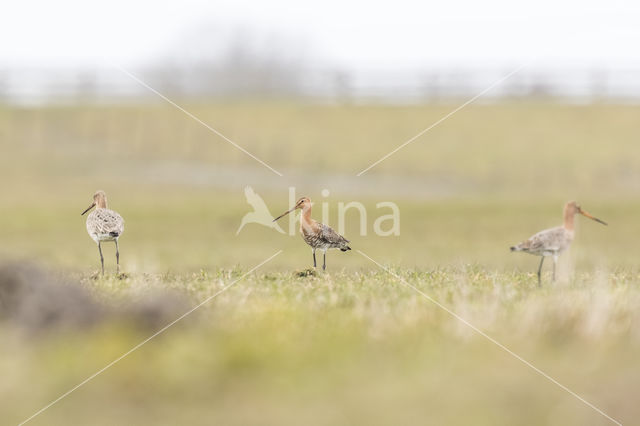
(102, 237)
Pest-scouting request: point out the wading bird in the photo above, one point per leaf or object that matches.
(316, 234)
(104, 225)
(552, 242)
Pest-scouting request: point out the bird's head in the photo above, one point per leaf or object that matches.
(99, 199)
(572, 208)
(300, 204)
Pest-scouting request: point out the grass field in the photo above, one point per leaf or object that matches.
(353, 345)
(344, 348)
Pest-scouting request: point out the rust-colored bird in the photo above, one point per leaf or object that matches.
(104, 225)
(316, 234)
(552, 242)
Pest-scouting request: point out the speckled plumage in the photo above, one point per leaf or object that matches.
(316, 234)
(553, 241)
(104, 225)
(320, 236)
(550, 242)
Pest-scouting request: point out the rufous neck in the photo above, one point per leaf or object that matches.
(306, 213)
(569, 217)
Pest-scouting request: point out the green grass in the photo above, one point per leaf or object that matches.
(184, 232)
(345, 348)
(352, 346)
(486, 178)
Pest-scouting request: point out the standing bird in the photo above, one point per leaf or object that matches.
(104, 225)
(316, 234)
(553, 241)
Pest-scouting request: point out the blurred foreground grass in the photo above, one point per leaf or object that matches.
(343, 349)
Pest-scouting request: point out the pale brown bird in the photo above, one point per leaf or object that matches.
(104, 225)
(553, 241)
(316, 234)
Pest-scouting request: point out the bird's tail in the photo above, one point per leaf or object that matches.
(516, 248)
(345, 248)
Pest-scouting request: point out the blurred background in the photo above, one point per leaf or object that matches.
(319, 93)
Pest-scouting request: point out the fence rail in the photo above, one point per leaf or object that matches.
(42, 86)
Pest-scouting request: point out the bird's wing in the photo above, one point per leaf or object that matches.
(330, 236)
(107, 221)
(549, 239)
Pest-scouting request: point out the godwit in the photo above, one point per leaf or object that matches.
(316, 234)
(552, 242)
(104, 225)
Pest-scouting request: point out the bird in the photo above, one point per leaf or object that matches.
(260, 213)
(104, 225)
(553, 241)
(316, 234)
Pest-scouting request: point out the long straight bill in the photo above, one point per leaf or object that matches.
(285, 213)
(88, 208)
(590, 216)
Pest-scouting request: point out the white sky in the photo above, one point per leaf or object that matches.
(356, 35)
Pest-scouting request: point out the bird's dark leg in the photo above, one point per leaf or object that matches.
(324, 260)
(314, 257)
(540, 271)
(117, 258)
(101, 257)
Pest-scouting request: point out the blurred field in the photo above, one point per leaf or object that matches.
(344, 349)
(541, 148)
(352, 346)
(488, 177)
